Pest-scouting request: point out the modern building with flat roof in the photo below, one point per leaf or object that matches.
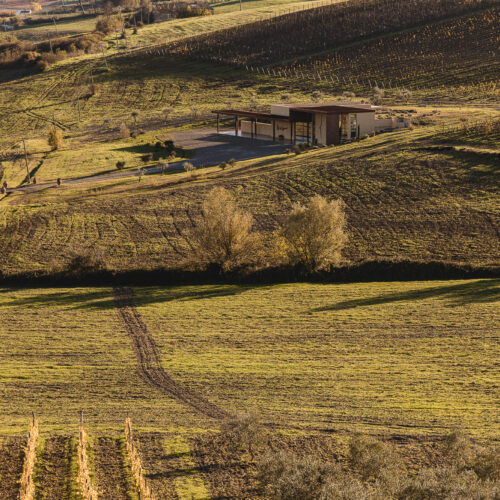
(322, 124)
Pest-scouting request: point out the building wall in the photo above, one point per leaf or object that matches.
(391, 123)
(283, 128)
(366, 123)
(320, 129)
(280, 109)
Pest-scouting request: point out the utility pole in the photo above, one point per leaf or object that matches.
(26, 160)
(240, 5)
(55, 25)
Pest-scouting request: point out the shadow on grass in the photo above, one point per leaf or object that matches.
(102, 299)
(482, 291)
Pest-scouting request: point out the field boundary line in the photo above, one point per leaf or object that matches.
(27, 486)
(84, 480)
(135, 461)
(150, 367)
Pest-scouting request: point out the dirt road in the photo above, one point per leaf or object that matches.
(149, 359)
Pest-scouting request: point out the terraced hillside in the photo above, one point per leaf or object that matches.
(460, 53)
(319, 29)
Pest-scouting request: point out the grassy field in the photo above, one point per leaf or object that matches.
(422, 194)
(411, 358)
(64, 27)
(406, 361)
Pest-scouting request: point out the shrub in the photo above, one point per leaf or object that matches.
(94, 89)
(231, 162)
(120, 165)
(162, 165)
(297, 149)
(374, 459)
(486, 465)
(447, 483)
(378, 95)
(458, 449)
(188, 167)
(223, 165)
(134, 115)
(83, 261)
(244, 433)
(42, 65)
(404, 95)
(284, 476)
(55, 138)
(223, 238)
(314, 235)
(317, 95)
(107, 24)
(124, 131)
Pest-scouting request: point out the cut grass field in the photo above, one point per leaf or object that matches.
(388, 358)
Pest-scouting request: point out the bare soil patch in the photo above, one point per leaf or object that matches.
(54, 475)
(111, 476)
(161, 467)
(11, 466)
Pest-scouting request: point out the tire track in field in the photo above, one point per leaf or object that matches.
(149, 359)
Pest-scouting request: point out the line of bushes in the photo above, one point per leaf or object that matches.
(82, 272)
(16, 53)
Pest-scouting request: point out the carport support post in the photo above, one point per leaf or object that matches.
(217, 122)
(236, 126)
(274, 130)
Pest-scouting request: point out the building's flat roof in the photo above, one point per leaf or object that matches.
(251, 114)
(328, 109)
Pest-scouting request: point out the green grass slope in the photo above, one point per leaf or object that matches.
(386, 358)
(420, 194)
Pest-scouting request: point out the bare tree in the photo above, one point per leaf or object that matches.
(317, 95)
(244, 433)
(124, 131)
(378, 95)
(188, 167)
(404, 95)
(224, 236)
(314, 235)
(134, 115)
(55, 138)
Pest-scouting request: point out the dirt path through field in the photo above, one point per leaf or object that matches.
(54, 476)
(112, 480)
(11, 466)
(149, 359)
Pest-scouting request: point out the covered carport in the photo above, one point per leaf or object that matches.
(257, 119)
